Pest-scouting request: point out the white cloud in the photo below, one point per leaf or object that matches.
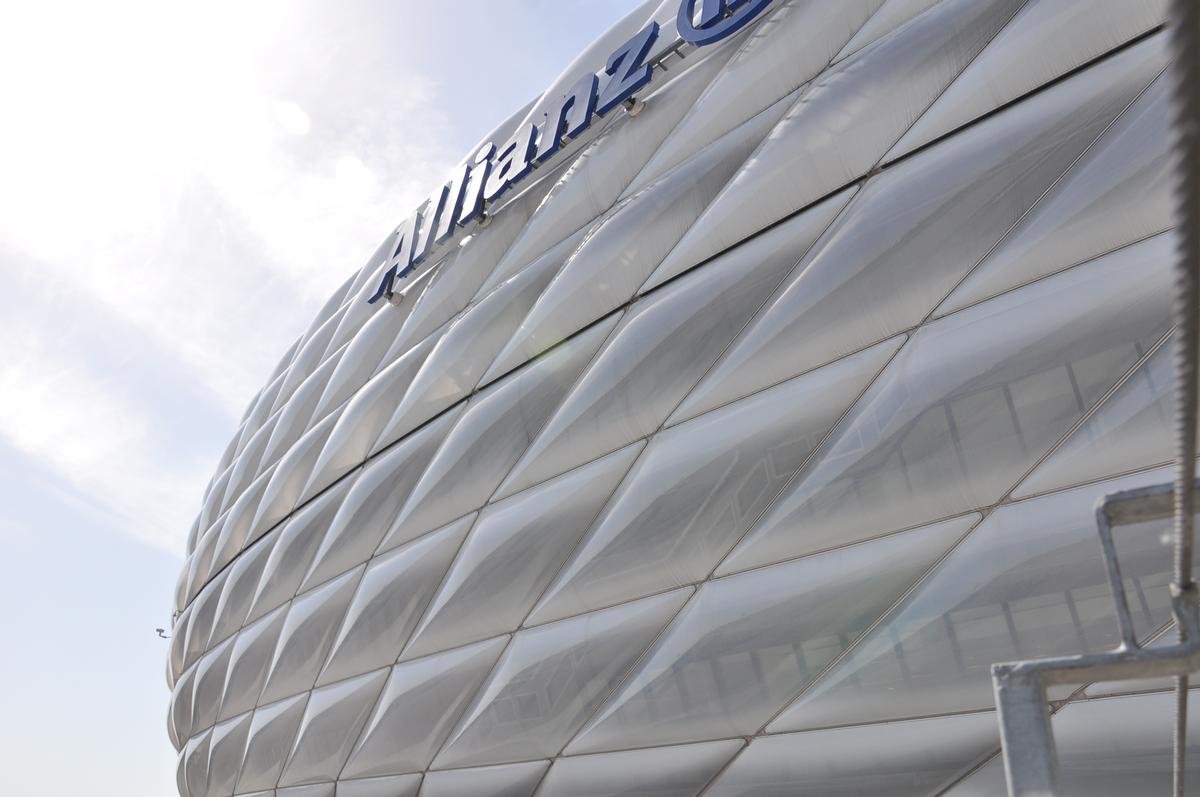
(80, 424)
(175, 164)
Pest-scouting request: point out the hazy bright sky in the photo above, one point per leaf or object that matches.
(181, 187)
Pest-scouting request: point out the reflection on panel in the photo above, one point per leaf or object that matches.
(701, 484)
(513, 552)
(506, 780)
(889, 260)
(1028, 583)
(1132, 429)
(621, 251)
(681, 771)
(969, 404)
(551, 679)
(663, 346)
(436, 689)
(1119, 192)
(1046, 39)
(901, 759)
(747, 643)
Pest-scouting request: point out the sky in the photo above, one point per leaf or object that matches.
(182, 185)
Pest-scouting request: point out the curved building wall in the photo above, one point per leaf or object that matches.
(734, 449)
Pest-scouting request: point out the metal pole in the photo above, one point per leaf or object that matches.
(1185, 38)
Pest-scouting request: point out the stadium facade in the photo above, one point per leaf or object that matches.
(733, 407)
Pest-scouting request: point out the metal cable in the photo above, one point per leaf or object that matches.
(1185, 38)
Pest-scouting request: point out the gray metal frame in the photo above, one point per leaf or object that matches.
(1029, 755)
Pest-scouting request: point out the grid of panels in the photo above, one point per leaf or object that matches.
(730, 455)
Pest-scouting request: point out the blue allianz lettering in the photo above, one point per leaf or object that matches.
(484, 179)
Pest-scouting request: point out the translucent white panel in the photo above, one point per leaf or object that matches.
(179, 708)
(226, 750)
(664, 345)
(394, 590)
(314, 790)
(292, 555)
(621, 251)
(512, 554)
(549, 262)
(180, 604)
(372, 503)
(898, 256)
(261, 407)
(201, 621)
(182, 702)
(1046, 39)
(307, 634)
(436, 689)
(746, 644)
(195, 764)
(509, 780)
(253, 650)
(363, 355)
(245, 467)
(901, 759)
(206, 519)
(702, 484)
(271, 734)
(307, 359)
(332, 721)
(844, 122)
(211, 506)
(410, 294)
(217, 484)
(456, 284)
(551, 679)
(365, 418)
(1122, 746)
(238, 526)
(284, 491)
(402, 786)
(788, 48)
(1120, 191)
(659, 772)
(200, 562)
(596, 178)
(892, 15)
(967, 407)
(181, 775)
(190, 546)
(460, 357)
(240, 587)
(210, 683)
(491, 435)
(298, 414)
(1028, 583)
(284, 361)
(354, 315)
(1132, 429)
(179, 640)
(1108, 748)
